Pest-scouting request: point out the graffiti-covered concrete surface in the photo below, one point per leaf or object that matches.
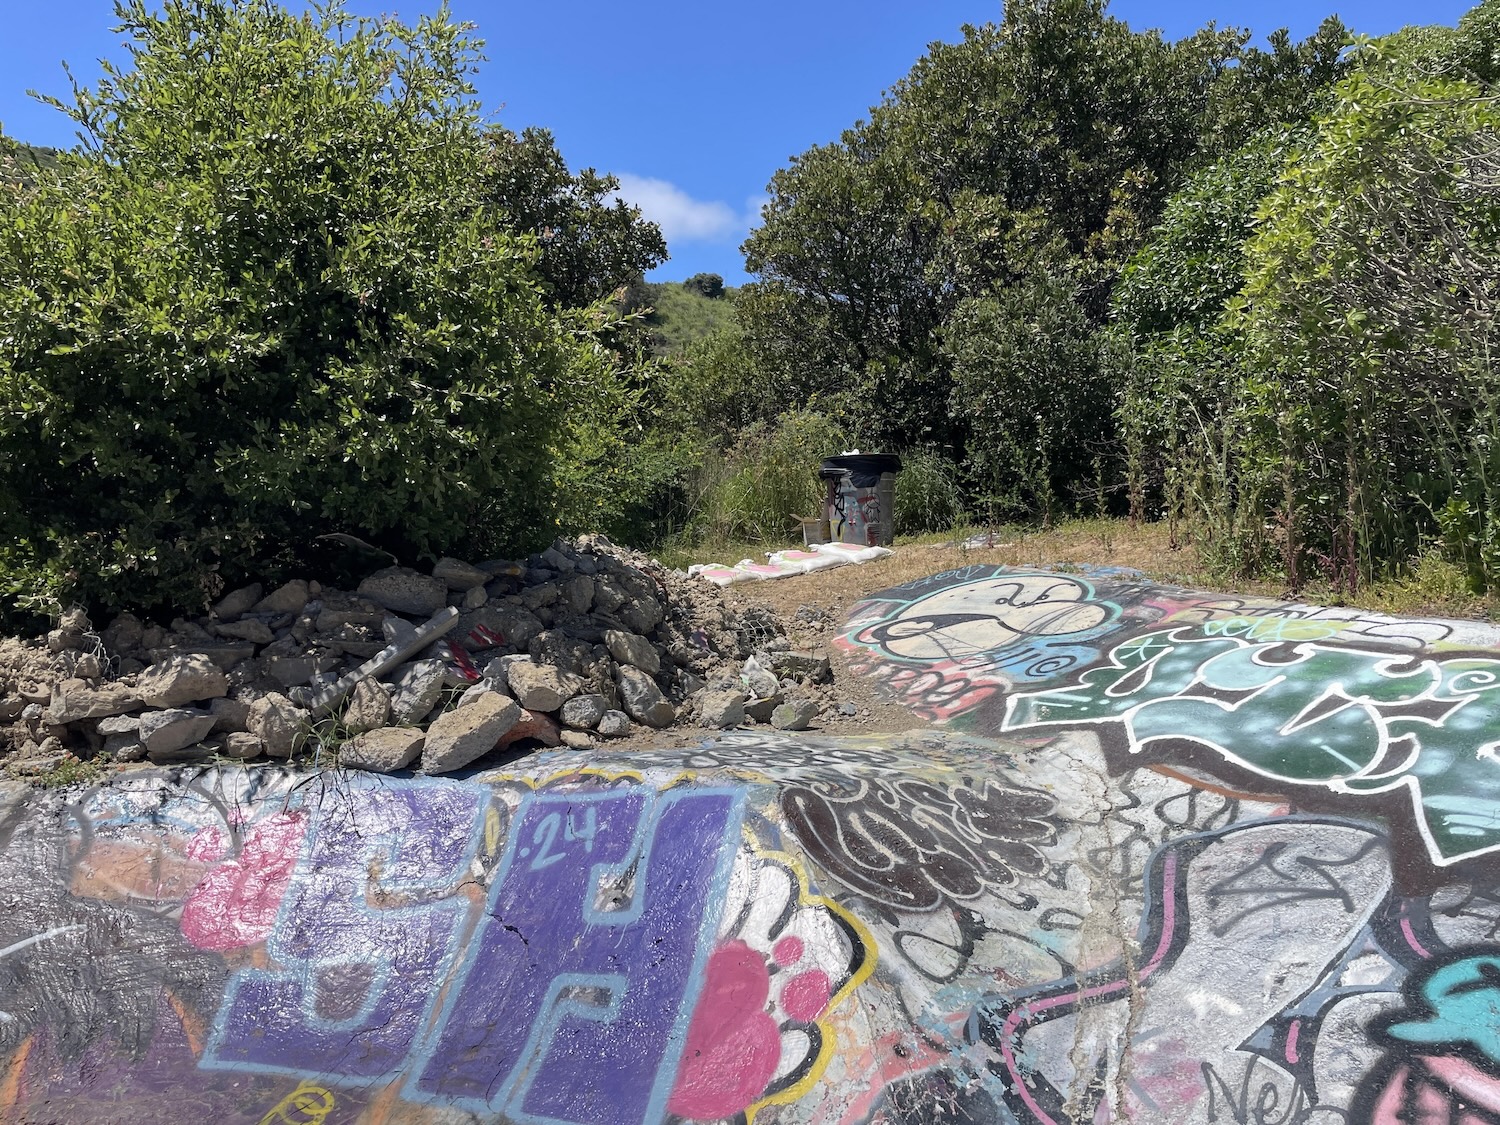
(1288, 821)
(1170, 858)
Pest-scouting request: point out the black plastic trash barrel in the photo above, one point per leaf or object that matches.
(860, 497)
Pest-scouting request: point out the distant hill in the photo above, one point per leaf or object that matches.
(682, 312)
(20, 162)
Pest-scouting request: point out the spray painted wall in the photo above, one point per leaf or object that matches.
(1215, 861)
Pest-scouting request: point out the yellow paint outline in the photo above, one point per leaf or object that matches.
(805, 1084)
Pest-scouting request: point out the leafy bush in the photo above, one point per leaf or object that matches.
(270, 302)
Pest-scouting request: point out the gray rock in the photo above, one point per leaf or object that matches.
(369, 707)
(760, 709)
(382, 751)
(224, 655)
(279, 723)
(633, 649)
(119, 724)
(251, 629)
(403, 590)
(576, 740)
(609, 596)
(230, 715)
(75, 699)
(559, 557)
(294, 671)
(614, 724)
(237, 603)
(165, 732)
(242, 745)
(810, 667)
(125, 748)
(339, 610)
(459, 575)
(123, 633)
(542, 687)
(578, 593)
(721, 709)
(583, 712)
(847, 708)
(458, 737)
(642, 699)
(534, 597)
(290, 598)
(185, 678)
(796, 715)
(416, 690)
(474, 598)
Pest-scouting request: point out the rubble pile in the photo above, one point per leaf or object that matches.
(584, 642)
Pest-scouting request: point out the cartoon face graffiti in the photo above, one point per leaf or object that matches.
(964, 623)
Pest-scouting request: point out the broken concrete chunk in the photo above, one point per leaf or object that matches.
(242, 745)
(290, 598)
(119, 724)
(583, 712)
(459, 737)
(459, 575)
(415, 691)
(251, 629)
(542, 687)
(403, 590)
(721, 709)
(230, 715)
(164, 732)
(184, 678)
(123, 634)
(614, 724)
(369, 707)
(810, 667)
(634, 649)
(796, 715)
(382, 751)
(279, 723)
(75, 699)
(761, 709)
(125, 748)
(237, 603)
(642, 699)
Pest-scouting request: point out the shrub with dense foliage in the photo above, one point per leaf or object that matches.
(278, 296)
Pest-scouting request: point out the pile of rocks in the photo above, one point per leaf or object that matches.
(585, 641)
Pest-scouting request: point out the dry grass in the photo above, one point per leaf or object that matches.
(1434, 589)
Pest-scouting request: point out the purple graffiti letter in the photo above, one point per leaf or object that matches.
(357, 961)
(574, 1003)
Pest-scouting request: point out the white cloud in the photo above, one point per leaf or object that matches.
(681, 217)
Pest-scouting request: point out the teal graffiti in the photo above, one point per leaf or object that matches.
(1308, 713)
(1459, 1005)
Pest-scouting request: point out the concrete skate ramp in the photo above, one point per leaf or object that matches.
(1173, 858)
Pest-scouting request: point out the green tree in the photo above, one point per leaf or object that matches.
(589, 241)
(1369, 318)
(274, 301)
(1057, 128)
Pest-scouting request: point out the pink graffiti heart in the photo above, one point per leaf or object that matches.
(235, 904)
(733, 1046)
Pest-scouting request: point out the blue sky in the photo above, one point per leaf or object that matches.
(693, 105)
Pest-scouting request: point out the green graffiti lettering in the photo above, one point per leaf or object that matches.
(1304, 713)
